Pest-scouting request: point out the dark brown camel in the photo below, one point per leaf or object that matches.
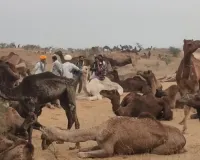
(36, 90)
(147, 103)
(188, 75)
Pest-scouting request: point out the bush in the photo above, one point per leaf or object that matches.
(174, 51)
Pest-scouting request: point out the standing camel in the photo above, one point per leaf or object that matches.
(36, 90)
(188, 74)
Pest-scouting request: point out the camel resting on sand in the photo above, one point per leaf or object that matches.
(121, 135)
(13, 147)
(94, 86)
(19, 150)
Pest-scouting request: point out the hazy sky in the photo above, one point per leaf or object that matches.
(86, 23)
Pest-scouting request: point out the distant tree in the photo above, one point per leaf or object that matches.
(11, 45)
(3, 45)
(174, 51)
(139, 46)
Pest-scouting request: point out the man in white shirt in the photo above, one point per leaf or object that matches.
(40, 66)
(69, 68)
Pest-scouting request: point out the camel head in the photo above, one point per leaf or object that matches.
(110, 94)
(13, 119)
(49, 135)
(58, 53)
(85, 71)
(190, 46)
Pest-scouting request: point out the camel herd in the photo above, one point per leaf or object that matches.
(135, 129)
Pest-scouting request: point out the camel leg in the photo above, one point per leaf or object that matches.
(106, 150)
(80, 85)
(186, 115)
(89, 149)
(30, 132)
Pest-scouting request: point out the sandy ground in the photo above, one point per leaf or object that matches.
(94, 113)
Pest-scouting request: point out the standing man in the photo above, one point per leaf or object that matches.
(40, 66)
(57, 70)
(80, 62)
(69, 69)
(57, 66)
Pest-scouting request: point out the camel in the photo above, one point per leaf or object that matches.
(13, 126)
(134, 104)
(45, 87)
(94, 86)
(188, 75)
(22, 66)
(121, 135)
(8, 75)
(192, 100)
(173, 94)
(138, 83)
(11, 145)
(19, 151)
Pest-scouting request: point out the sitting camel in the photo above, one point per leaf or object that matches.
(172, 92)
(138, 83)
(13, 147)
(134, 104)
(121, 135)
(94, 86)
(20, 150)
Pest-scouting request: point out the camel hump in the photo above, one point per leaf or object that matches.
(146, 115)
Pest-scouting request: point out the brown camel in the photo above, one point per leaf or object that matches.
(12, 147)
(188, 75)
(135, 104)
(172, 94)
(140, 82)
(12, 124)
(22, 66)
(20, 150)
(121, 135)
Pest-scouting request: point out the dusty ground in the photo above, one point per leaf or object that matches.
(94, 113)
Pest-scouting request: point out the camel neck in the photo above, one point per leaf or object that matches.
(187, 65)
(115, 105)
(10, 93)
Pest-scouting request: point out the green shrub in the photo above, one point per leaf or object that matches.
(174, 51)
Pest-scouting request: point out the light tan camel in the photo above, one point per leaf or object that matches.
(188, 74)
(94, 86)
(121, 135)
